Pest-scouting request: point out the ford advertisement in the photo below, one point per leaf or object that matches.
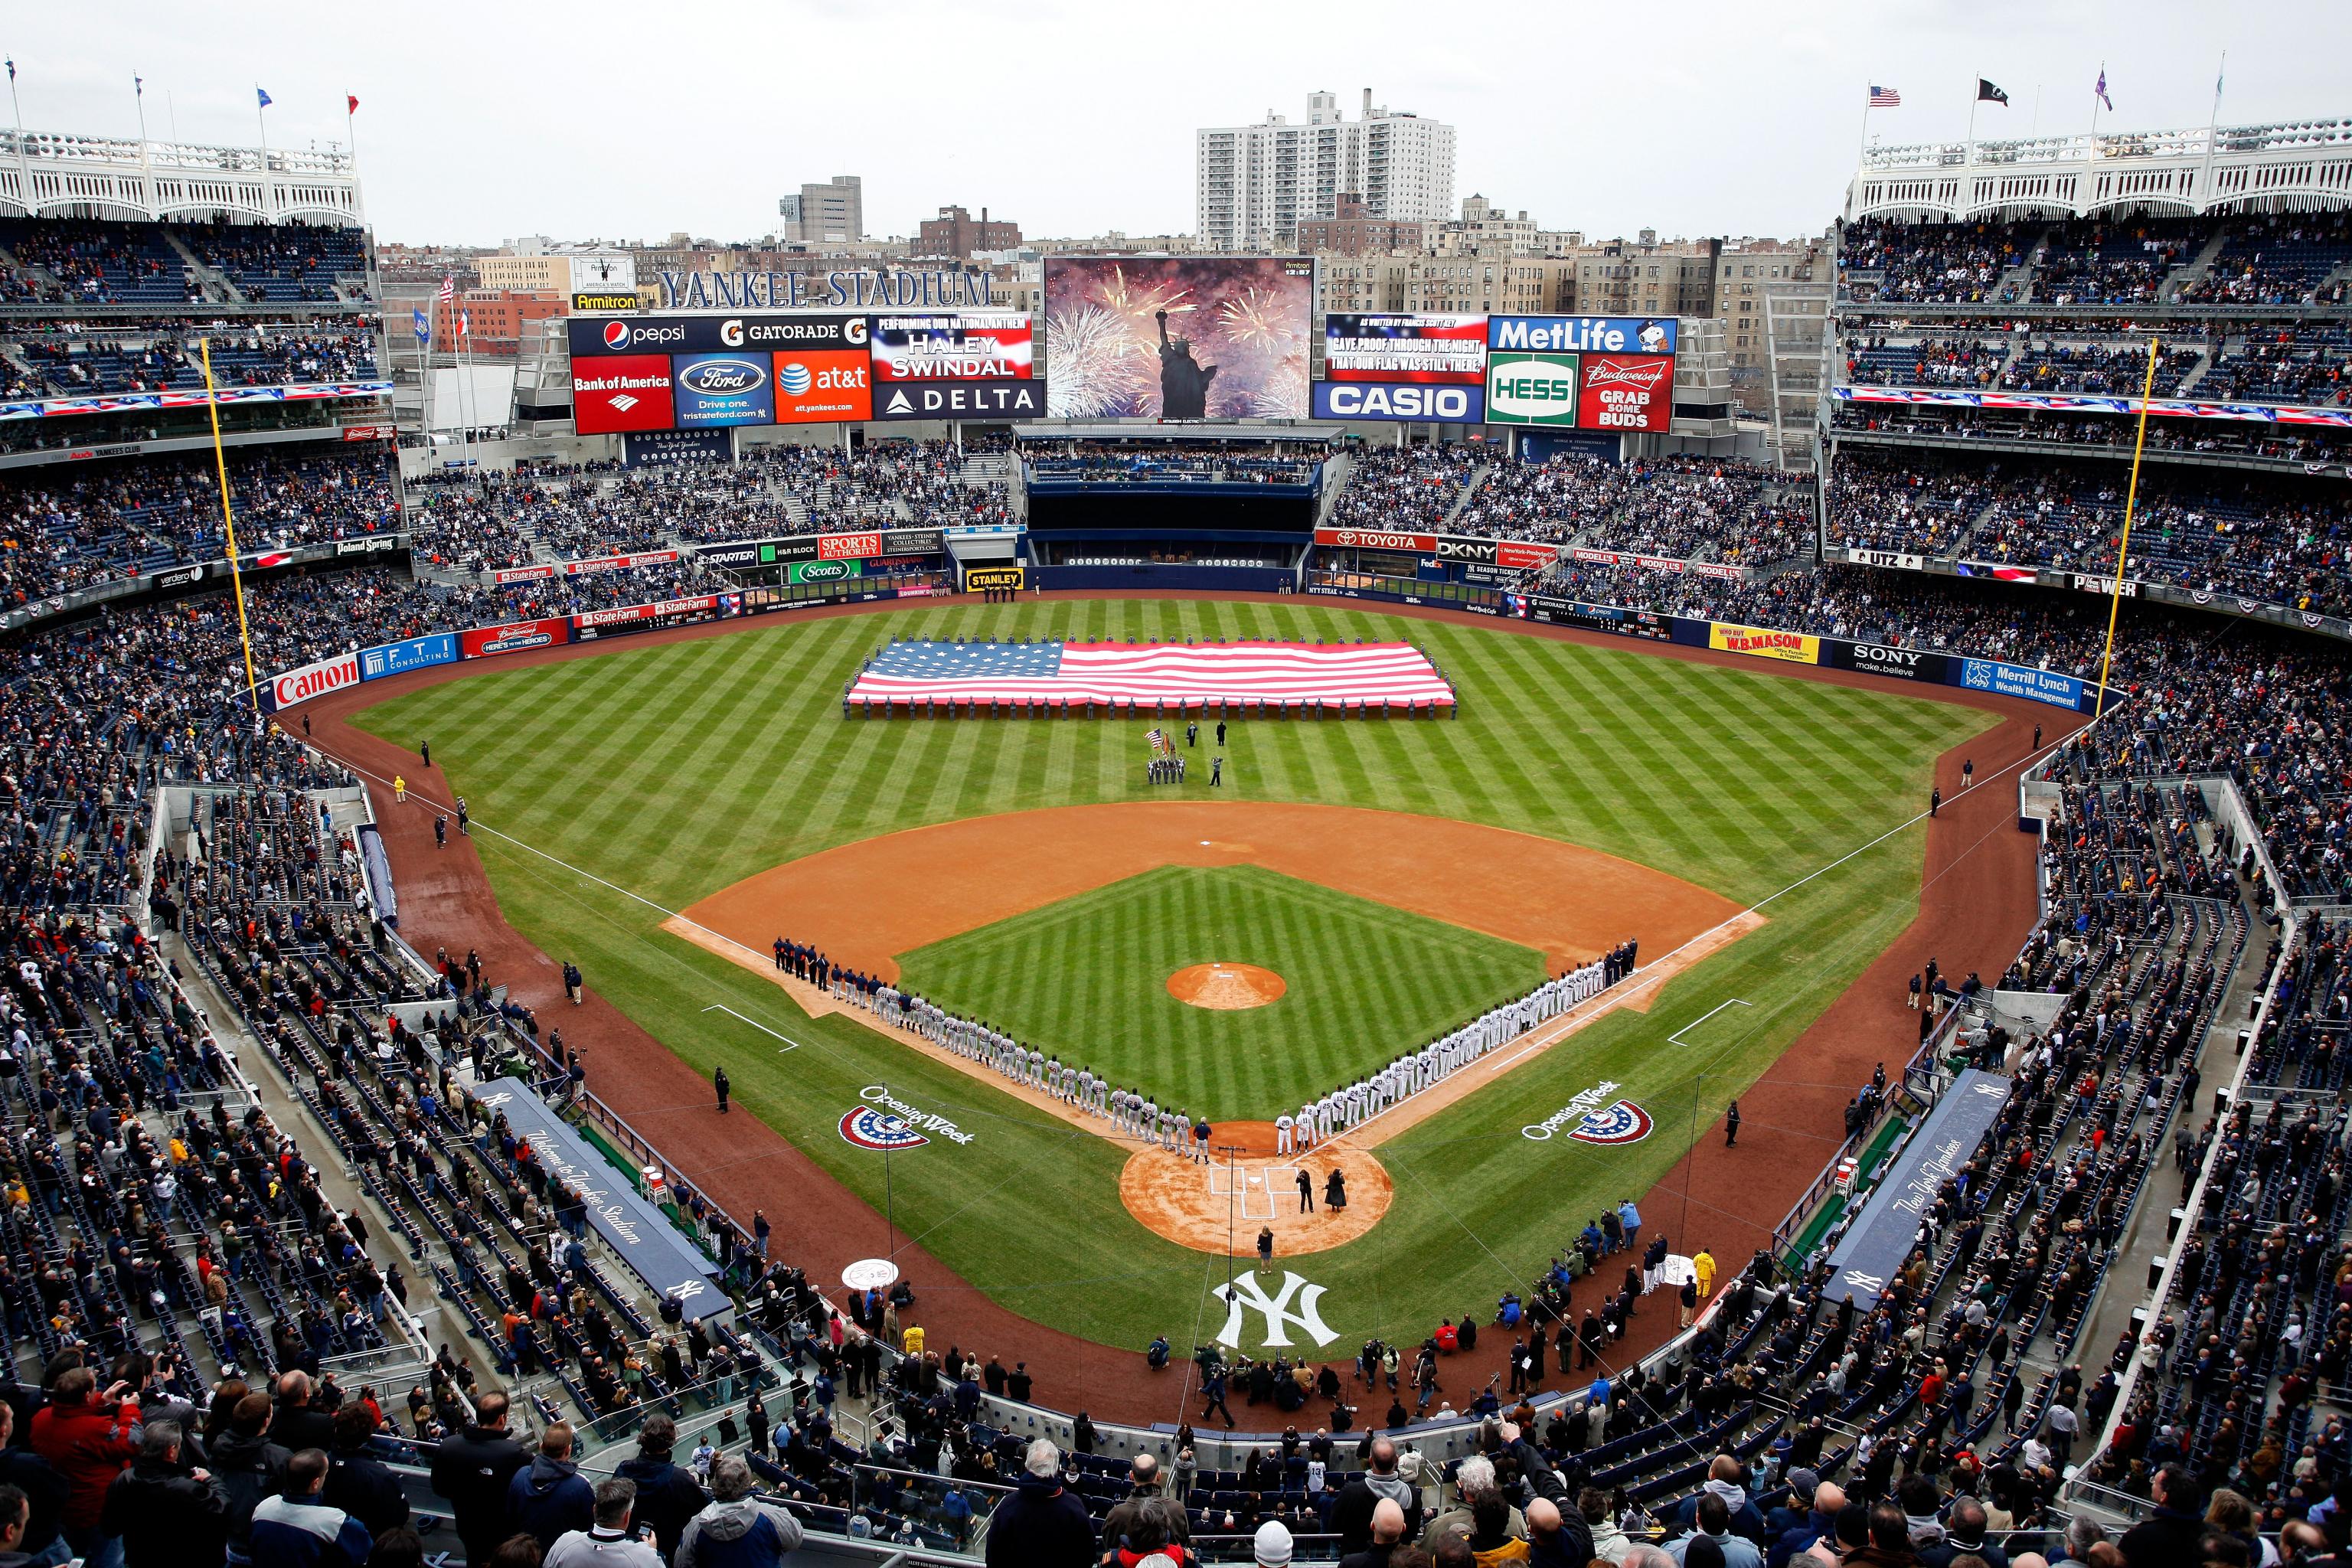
(723, 389)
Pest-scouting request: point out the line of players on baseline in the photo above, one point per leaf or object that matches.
(1137, 1115)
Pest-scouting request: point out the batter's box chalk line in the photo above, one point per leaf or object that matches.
(1676, 1037)
(789, 1044)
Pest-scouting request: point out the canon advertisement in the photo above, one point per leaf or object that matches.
(953, 346)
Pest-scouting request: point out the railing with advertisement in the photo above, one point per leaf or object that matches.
(1920, 666)
(204, 576)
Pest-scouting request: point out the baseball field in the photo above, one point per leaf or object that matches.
(1617, 793)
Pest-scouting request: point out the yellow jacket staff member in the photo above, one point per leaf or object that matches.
(1703, 1265)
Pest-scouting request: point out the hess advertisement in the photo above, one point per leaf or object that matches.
(1179, 337)
(1531, 388)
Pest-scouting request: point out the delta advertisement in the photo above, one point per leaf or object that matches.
(961, 346)
(1763, 642)
(1179, 337)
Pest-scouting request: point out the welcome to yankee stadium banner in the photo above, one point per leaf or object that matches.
(1875, 1243)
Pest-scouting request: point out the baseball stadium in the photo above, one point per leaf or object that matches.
(1099, 908)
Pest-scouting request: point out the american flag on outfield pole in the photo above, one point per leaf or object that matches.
(448, 286)
(1885, 98)
(1056, 673)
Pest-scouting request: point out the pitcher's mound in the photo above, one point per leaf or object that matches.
(1206, 1206)
(1225, 987)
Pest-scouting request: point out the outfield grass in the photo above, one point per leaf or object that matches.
(674, 771)
(1364, 982)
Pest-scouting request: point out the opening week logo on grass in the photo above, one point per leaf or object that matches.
(884, 1123)
(1592, 1118)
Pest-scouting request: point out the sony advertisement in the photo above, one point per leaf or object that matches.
(1179, 337)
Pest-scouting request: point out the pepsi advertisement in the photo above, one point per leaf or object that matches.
(723, 389)
(1401, 403)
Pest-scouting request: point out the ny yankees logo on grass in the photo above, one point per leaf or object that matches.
(1245, 1295)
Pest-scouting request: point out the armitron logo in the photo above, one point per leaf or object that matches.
(586, 304)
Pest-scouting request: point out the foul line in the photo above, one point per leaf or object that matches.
(1676, 1037)
(789, 1044)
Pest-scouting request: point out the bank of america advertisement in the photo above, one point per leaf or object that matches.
(1415, 347)
(1179, 337)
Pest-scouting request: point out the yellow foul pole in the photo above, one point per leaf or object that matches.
(228, 522)
(2123, 545)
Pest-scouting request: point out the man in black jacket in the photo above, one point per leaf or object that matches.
(357, 1481)
(668, 1496)
(473, 1470)
(2171, 1536)
(296, 1426)
(45, 1490)
(165, 1513)
(248, 1466)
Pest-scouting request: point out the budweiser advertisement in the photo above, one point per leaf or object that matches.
(1626, 392)
(622, 392)
(515, 637)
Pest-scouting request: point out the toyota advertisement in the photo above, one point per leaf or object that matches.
(1179, 337)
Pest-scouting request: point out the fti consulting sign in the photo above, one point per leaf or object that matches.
(1531, 389)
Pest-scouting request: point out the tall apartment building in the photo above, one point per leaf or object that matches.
(830, 214)
(1254, 184)
(956, 234)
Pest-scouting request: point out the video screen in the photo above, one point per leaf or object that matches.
(1178, 336)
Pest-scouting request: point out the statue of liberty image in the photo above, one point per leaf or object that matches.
(1184, 381)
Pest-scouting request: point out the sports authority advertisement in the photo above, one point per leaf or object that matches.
(820, 386)
(515, 637)
(724, 389)
(595, 338)
(1627, 392)
(1403, 403)
(1179, 337)
(1763, 642)
(961, 346)
(989, 400)
(1418, 347)
(620, 393)
(1531, 389)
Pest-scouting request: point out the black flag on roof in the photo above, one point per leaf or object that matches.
(1988, 93)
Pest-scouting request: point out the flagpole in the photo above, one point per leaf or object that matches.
(228, 525)
(268, 190)
(24, 163)
(2123, 545)
(2213, 129)
(146, 171)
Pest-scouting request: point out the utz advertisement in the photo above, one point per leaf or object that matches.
(953, 346)
(621, 393)
(724, 389)
(515, 637)
(823, 386)
(1763, 642)
(1446, 349)
(1626, 392)
(1531, 389)
(1179, 337)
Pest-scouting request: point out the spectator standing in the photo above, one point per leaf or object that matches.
(297, 1528)
(45, 1490)
(1041, 1525)
(668, 1496)
(737, 1530)
(87, 1439)
(473, 1470)
(165, 1512)
(551, 1496)
(609, 1542)
(357, 1481)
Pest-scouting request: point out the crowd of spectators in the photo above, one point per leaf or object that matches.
(2098, 369)
(72, 359)
(1875, 360)
(2277, 258)
(2213, 437)
(2124, 261)
(1957, 263)
(1411, 489)
(85, 261)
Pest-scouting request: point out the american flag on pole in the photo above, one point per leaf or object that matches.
(448, 286)
(1055, 674)
(1885, 98)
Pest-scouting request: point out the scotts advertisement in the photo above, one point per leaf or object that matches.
(1626, 393)
(1376, 538)
(989, 400)
(724, 389)
(953, 346)
(824, 570)
(313, 680)
(515, 637)
(1418, 347)
(410, 653)
(1402, 402)
(595, 338)
(1531, 389)
(625, 391)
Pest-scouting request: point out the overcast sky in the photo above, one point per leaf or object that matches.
(484, 121)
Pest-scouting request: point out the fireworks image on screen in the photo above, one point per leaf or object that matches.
(1177, 338)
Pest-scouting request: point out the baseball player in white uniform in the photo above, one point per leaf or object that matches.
(1282, 1125)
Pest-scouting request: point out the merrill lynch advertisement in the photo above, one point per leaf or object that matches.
(2018, 680)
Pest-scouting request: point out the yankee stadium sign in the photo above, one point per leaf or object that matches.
(896, 288)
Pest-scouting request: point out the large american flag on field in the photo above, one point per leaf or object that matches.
(1059, 673)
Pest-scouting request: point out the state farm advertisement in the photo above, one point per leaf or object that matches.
(622, 392)
(822, 387)
(1624, 391)
(953, 346)
(293, 686)
(515, 637)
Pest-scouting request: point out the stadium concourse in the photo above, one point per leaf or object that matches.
(252, 1142)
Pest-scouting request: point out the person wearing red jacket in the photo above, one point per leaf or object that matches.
(89, 1439)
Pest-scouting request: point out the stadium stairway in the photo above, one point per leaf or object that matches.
(1470, 488)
